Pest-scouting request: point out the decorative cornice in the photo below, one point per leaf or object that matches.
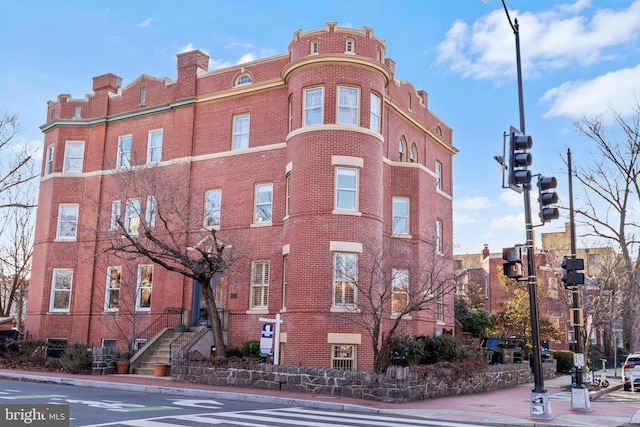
(313, 60)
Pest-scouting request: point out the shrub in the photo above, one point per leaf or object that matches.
(564, 359)
(443, 348)
(76, 358)
(250, 349)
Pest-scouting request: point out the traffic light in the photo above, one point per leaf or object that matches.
(512, 268)
(519, 159)
(547, 197)
(571, 271)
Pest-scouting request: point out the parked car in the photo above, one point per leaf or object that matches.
(494, 346)
(631, 366)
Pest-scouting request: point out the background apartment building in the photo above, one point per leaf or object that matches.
(305, 163)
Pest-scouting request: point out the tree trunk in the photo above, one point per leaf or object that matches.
(212, 311)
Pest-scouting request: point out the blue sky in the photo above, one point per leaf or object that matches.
(580, 59)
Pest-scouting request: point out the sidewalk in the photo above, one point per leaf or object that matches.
(508, 407)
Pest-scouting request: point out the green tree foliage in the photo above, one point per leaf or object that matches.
(474, 320)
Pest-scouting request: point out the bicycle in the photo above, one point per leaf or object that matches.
(602, 381)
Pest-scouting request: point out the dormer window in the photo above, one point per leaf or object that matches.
(349, 48)
(314, 47)
(244, 79)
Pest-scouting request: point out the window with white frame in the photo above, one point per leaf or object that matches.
(349, 46)
(399, 290)
(151, 212)
(73, 156)
(290, 113)
(124, 151)
(143, 96)
(112, 294)
(439, 303)
(343, 357)
(438, 242)
(212, 208)
(402, 150)
(346, 188)
(260, 284)
(400, 223)
(375, 112)
(287, 194)
(61, 282)
(413, 153)
(438, 175)
(244, 79)
(145, 287)
(313, 106)
(132, 214)
(344, 279)
(314, 47)
(284, 281)
(48, 166)
(116, 210)
(77, 111)
(67, 221)
(348, 100)
(154, 150)
(240, 132)
(264, 203)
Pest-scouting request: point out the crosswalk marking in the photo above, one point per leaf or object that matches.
(284, 417)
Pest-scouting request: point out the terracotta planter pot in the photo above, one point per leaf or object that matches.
(122, 366)
(160, 369)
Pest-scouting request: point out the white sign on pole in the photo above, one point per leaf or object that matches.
(266, 339)
(578, 360)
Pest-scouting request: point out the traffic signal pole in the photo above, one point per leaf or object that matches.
(539, 401)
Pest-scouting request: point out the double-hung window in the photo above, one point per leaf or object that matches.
(116, 208)
(112, 294)
(241, 131)
(260, 284)
(343, 357)
(132, 220)
(67, 222)
(439, 175)
(264, 203)
(61, 281)
(375, 112)
(313, 106)
(346, 189)
(212, 207)
(48, 166)
(154, 150)
(400, 215)
(438, 242)
(73, 156)
(151, 212)
(344, 279)
(399, 290)
(348, 100)
(145, 286)
(124, 151)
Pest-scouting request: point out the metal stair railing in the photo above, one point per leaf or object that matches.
(170, 317)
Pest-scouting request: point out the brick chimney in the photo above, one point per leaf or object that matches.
(485, 251)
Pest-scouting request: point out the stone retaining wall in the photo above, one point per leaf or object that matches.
(397, 384)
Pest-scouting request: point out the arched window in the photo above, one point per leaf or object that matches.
(413, 154)
(402, 150)
(244, 79)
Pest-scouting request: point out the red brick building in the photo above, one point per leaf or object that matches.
(304, 158)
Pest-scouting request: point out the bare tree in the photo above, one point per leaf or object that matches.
(16, 250)
(157, 223)
(611, 191)
(391, 288)
(16, 162)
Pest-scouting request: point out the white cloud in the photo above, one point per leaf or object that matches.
(511, 198)
(146, 23)
(472, 203)
(617, 90)
(555, 38)
(459, 218)
(247, 57)
(508, 222)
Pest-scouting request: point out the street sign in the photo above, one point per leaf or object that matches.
(578, 360)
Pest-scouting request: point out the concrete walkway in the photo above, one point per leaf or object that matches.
(507, 407)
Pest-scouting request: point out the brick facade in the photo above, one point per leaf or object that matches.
(196, 113)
